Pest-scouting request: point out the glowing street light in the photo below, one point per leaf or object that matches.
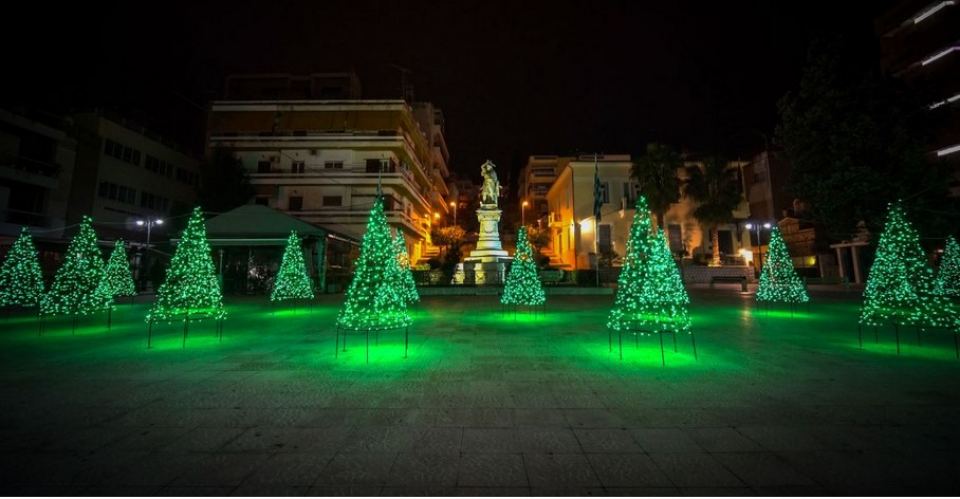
(148, 223)
(757, 225)
(523, 212)
(453, 204)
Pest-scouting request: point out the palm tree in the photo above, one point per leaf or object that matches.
(656, 172)
(717, 194)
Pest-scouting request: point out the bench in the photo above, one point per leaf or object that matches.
(551, 276)
(735, 279)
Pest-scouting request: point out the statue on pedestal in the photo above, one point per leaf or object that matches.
(487, 263)
(490, 191)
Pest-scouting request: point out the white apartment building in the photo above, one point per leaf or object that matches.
(536, 178)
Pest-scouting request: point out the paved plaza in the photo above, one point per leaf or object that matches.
(485, 404)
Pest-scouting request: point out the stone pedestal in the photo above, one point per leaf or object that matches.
(486, 264)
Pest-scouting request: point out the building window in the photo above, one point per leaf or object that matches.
(295, 203)
(186, 177)
(604, 238)
(114, 192)
(605, 192)
(263, 167)
(333, 165)
(297, 167)
(154, 202)
(332, 200)
(121, 152)
(374, 166)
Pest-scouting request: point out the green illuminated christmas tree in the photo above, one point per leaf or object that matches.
(900, 284)
(633, 273)
(78, 286)
(523, 283)
(948, 277)
(191, 287)
(21, 281)
(405, 275)
(779, 281)
(374, 300)
(292, 280)
(119, 280)
(663, 301)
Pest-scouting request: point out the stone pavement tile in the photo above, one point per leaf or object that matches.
(381, 439)
(268, 490)
(116, 491)
(578, 400)
(491, 492)
(762, 469)
(491, 470)
(540, 418)
(291, 470)
(717, 491)
(389, 417)
(468, 418)
(554, 440)
(722, 440)
(636, 492)
(41, 469)
(416, 469)
(661, 440)
(321, 440)
(794, 491)
(80, 440)
(628, 470)
(607, 440)
(202, 440)
(344, 490)
(329, 417)
(593, 418)
(195, 491)
(559, 471)
(218, 470)
(417, 491)
(357, 469)
(695, 470)
(149, 439)
(783, 438)
(439, 440)
(490, 440)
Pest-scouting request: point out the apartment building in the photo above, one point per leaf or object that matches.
(535, 180)
(324, 160)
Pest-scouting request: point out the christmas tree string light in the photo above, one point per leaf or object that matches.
(523, 283)
(633, 273)
(663, 301)
(191, 287)
(948, 277)
(405, 279)
(779, 281)
(374, 300)
(21, 280)
(899, 288)
(78, 285)
(119, 279)
(292, 281)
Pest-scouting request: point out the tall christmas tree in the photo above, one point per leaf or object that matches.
(405, 274)
(663, 301)
(523, 283)
(119, 280)
(77, 288)
(948, 277)
(191, 287)
(633, 273)
(899, 287)
(21, 281)
(292, 280)
(779, 281)
(374, 300)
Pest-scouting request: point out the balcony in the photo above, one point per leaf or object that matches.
(29, 170)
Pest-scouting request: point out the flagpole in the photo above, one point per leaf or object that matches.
(596, 220)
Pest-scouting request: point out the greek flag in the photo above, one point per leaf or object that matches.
(597, 190)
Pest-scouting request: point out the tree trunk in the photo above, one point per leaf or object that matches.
(715, 242)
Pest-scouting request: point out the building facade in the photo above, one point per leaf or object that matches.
(535, 180)
(323, 161)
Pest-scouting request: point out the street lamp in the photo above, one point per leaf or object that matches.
(757, 225)
(148, 223)
(453, 204)
(523, 212)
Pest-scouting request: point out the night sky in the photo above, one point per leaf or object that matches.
(513, 78)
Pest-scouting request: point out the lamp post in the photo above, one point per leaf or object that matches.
(436, 216)
(523, 212)
(148, 223)
(453, 204)
(757, 225)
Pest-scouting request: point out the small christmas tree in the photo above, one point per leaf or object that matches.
(663, 301)
(292, 280)
(779, 281)
(899, 286)
(948, 277)
(405, 276)
(119, 280)
(191, 287)
(374, 300)
(21, 281)
(633, 273)
(78, 286)
(523, 283)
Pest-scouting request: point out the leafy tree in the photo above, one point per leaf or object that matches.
(224, 183)
(21, 281)
(656, 172)
(717, 194)
(854, 141)
(448, 237)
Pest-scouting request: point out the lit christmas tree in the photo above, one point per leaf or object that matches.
(374, 300)
(899, 287)
(292, 280)
(523, 283)
(405, 275)
(633, 273)
(663, 301)
(78, 286)
(779, 281)
(119, 280)
(21, 281)
(191, 287)
(948, 277)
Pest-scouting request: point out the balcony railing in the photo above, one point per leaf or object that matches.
(29, 165)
